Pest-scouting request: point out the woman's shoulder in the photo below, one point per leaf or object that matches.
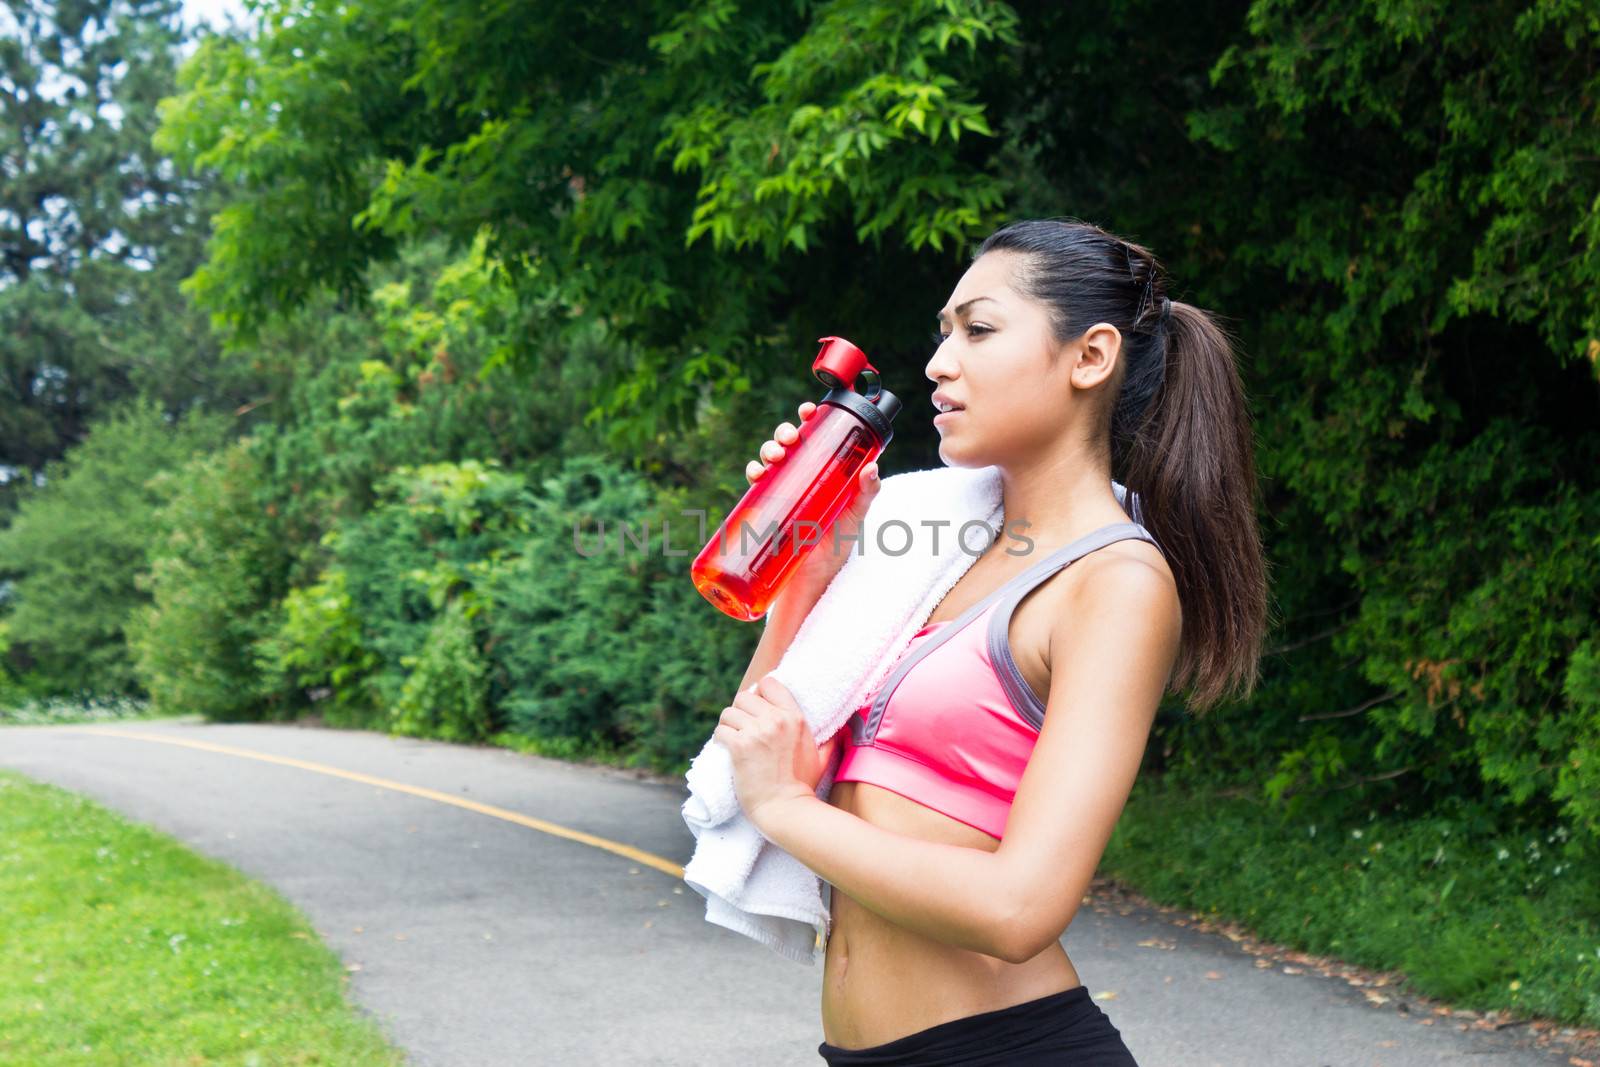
(1128, 576)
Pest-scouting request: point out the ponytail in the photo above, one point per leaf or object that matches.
(1192, 462)
(1180, 437)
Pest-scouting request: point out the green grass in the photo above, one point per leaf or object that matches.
(1506, 921)
(120, 945)
(572, 750)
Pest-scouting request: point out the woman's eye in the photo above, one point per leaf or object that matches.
(973, 330)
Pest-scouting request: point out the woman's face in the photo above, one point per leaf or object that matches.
(995, 361)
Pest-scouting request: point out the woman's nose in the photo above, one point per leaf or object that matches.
(940, 366)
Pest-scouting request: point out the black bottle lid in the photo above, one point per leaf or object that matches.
(888, 403)
(877, 415)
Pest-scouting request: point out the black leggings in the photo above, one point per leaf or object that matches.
(1065, 1029)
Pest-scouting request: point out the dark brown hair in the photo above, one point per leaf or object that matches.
(1180, 436)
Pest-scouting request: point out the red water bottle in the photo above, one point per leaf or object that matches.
(791, 509)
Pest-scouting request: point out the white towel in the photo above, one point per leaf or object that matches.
(909, 558)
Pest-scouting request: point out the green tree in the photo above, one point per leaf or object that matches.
(413, 378)
(683, 177)
(218, 568)
(79, 539)
(96, 230)
(1396, 206)
(1413, 179)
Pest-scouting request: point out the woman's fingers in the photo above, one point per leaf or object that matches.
(773, 449)
(771, 452)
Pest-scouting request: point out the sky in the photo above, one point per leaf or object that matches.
(215, 12)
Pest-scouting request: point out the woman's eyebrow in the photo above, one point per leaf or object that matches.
(962, 309)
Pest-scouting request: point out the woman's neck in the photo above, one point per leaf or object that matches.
(1057, 500)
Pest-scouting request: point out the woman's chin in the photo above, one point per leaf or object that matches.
(954, 455)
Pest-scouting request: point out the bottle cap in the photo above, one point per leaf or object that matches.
(876, 417)
(841, 365)
(887, 403)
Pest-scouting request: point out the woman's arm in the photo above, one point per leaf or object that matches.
(1111, 655)
(949, 893)
(783, 621)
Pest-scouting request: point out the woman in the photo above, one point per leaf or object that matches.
(977, 792)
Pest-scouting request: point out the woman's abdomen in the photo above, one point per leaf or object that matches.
(882, 981)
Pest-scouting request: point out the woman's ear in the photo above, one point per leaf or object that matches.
(1097, 353)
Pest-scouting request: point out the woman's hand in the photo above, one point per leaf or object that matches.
(822, 561)
(775, 755)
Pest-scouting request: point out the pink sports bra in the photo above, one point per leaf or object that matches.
(953, 731)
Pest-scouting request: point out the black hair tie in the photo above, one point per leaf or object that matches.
(1147, 289)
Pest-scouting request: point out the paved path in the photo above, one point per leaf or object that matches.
(481, 941)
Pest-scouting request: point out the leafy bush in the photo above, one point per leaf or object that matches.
(601, 642)
(318, 646)
(1470, 622)
(436, 533)
(446, 693)
(560, 617)
(11, 690)
(413, 379)
(1578, 777)
(214, 578)
(78, 540)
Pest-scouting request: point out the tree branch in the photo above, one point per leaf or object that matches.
(1347, 712)
(1279, 650)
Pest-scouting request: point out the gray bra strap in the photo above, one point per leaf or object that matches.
(1023, 698)
(1018, 586)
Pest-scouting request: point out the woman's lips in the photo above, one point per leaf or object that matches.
(947, 415)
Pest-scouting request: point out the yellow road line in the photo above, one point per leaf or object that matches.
(649, 859)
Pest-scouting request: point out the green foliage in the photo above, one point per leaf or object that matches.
(10, 691)
(849, 116)
(300, 131)
(1479, 665)
(445, 694)
(1578, 778)
(416, 378)
(438, 532)
(1490, 916)
(1490, 106)
(598, 634)
(216, 572)
(78, 540)
(461, 605)
(96, 230)
(688, 655)
(318, 645)
(1435, 515)
(579, 178)
(565, 608)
